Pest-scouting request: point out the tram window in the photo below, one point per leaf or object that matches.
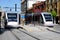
(12, 20)
(12, 17)
(48, 17)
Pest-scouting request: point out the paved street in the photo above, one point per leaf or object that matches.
(42, 33)
(7, 35)
(15, 34)
(56, 29)
(33, 33)
(30, 20)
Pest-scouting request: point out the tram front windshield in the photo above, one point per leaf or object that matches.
(48, 17)
(12, 17)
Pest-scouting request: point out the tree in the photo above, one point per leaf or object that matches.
(53, 12)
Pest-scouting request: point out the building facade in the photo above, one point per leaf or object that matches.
(39, 7)
(2, 14)
(23, 6)
(35, 7)
(53, 4)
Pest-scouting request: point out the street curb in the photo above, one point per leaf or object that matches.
(53, 30)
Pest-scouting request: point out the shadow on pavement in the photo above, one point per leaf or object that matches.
(8, 28)
(50, 26)
(2, 30)
(12, 27)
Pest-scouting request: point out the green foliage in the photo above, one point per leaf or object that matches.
(53, 13)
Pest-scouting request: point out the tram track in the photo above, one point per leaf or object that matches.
(24, 33)
(29, 35)
(15, 35)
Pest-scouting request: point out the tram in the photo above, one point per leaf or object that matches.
(46, 19)
(42, 18)
(12, 19)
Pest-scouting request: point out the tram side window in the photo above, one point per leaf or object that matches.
(12, 17)
(48, 17)
(41, 19)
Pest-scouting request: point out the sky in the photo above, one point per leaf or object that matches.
(10, 3)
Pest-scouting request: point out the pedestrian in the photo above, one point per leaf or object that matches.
(57, 19)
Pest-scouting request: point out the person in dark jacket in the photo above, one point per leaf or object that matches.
(57, 19)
